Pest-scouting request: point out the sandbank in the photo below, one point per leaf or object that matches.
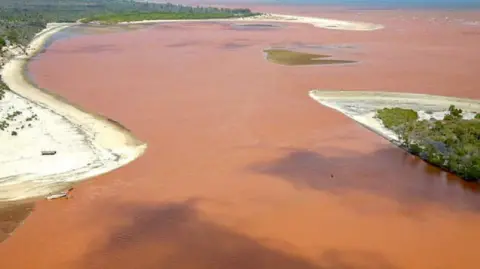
(86, 144)
(281, 18)
(362, 106)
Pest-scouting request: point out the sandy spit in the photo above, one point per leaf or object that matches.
(268, 17)
(362, 106)
(86, 144)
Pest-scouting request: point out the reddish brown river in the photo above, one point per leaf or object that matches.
(243, 169)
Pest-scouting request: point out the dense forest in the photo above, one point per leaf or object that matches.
(21, 19)
(452, 143)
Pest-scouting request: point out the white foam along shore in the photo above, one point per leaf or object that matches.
(86, 145)
(281, 18)
(361, 106)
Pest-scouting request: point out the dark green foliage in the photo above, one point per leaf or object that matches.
(31, 118)
(453, 114)
(138, 16)
(12, 116)
(3, 125)
(477, 116)
(3, 89)
(3, 43)
(452, 143)
(415, 149)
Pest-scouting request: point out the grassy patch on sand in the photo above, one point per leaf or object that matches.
(396, 116)
(452, 143)
(288, 57)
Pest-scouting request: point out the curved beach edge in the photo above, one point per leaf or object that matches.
(101, 144)
(325, 23)
(361, 106)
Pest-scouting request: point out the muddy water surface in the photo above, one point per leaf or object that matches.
(243, 169)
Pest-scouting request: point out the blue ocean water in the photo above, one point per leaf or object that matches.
(387, 4)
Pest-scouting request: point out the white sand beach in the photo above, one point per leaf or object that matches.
(362, 106)
(86, 145)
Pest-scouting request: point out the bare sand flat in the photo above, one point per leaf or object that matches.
(239, 169)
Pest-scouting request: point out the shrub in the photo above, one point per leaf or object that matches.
(3, 125)
(396, 117)
(454, 113)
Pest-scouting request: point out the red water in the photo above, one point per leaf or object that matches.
(243, 169)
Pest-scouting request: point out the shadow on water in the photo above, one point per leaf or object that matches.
(78, 31)
(12, 216)
(89, 29)
(61, 35)
(88, 49)
(237, 44)
(184, 44)
(177, 235)
(255, 26)
(390, 173)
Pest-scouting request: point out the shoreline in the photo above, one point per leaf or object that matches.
(361, 106)
(330, 24)
(101, 144)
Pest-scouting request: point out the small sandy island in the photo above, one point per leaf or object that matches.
(50, 144)
(281, 18)
(362, 106)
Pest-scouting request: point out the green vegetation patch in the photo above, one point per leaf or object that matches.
(394, 117)
(452, 143)
(288, 57)
(140, 16)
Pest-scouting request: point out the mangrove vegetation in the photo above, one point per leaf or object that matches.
(451, 143)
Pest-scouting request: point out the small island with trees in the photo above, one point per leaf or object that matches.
(451, 143)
